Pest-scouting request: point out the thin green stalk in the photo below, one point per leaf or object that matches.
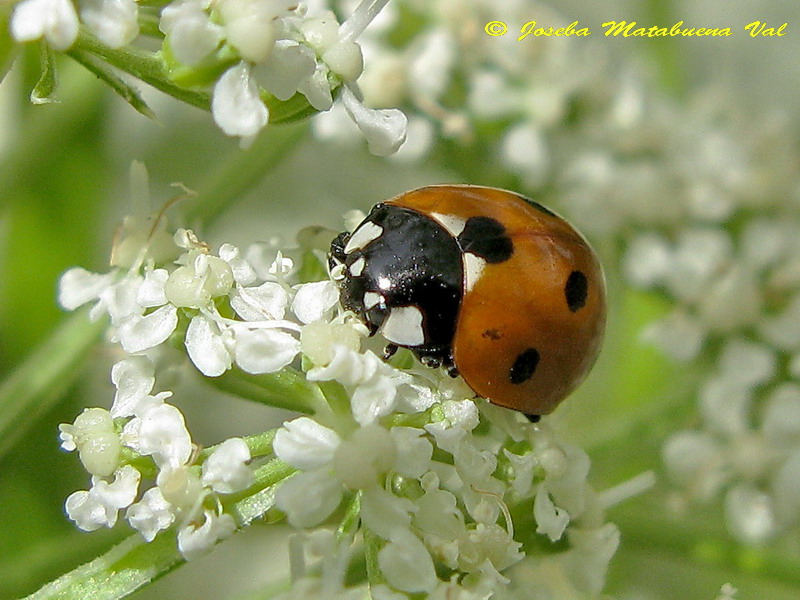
(372, 545)
(134, 563)
(143, 65)
(35, 386)
(285, 389)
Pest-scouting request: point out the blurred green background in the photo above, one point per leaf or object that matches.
(64, 188)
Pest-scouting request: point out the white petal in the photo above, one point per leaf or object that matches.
(134, 378)
(309, 498)
(151, 293)
(384, 129)
(287, 65)
(122, 491)
(243, 271)
(151, 514)
(162, 433)
(56, 20)
(374, 398)
(78, 286)
(382, 512)
(267, 301)
(313, 300)
(196, 541)
(413, 451)
(550, 519)
(265, 350)
(191, 35)
(226, 470)
(140, 333)
(305, 444)
(750, 513)
(317, 88)
(207, 347)
(88, 512)
(407, 564)
(236, 105)
(114, 22)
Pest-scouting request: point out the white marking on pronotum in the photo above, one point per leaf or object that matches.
(373, 299)
(473, 267)
(384, 283)
(404, 326)
(358, 266)
(454, 225)
(362, 236)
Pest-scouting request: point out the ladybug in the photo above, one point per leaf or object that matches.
(482, 281)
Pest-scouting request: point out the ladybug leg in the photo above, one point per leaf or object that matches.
(533, 418)
(431, 361)
(389, 350)
(449, 366)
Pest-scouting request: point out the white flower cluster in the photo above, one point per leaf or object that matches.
(431, 473)
(439, 494)
(275, 46)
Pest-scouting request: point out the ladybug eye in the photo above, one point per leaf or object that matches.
(576, 290)
(524, 367)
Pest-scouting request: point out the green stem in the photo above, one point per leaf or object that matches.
(285, 389)
(372, 545)
(143, 65)
(35, 386)
(135, 563)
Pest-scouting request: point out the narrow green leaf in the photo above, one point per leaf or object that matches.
(35, 386)
(130, 95)
(44, 89)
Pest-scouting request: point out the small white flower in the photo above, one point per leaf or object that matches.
(383, 513)
(151, 514)
(243, 271)
(55, 20)
(99, 506)
(196, 540)
(226, 470)
(114, 22)
(305, 444)
(264, 350)
(384, 129)
(160, 432)
(191, 34)
(236, 105)
(152, 291)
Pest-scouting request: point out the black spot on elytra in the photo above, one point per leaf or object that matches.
(487, 238)
(524, 367)
(533, 418)
(576, 290)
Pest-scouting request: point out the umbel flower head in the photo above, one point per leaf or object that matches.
(442, 492)
(245, 53)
